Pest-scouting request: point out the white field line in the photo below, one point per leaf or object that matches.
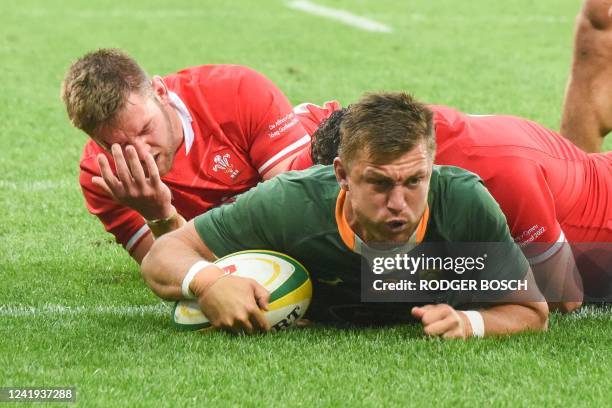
(589, 311)
(60, 310)
(342, 16)
(163, 309)
(299, 5)
(38, 185)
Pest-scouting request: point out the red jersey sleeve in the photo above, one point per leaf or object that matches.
(271, 127)
(311, 116)
(125, 224)
(520, 188)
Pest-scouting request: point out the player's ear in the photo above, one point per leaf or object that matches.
(160, 91)
(341, 173)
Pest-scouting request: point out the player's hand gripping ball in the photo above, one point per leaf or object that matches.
(285, 278)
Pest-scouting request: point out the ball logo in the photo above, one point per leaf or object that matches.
(229, 269)
(288, 320)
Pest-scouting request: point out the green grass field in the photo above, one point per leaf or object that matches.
(74, 310)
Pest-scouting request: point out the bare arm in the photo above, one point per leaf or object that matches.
(559, 280)
(229, 302)
(518, 313)
(587, 106)
(169, 259)
(143, 246)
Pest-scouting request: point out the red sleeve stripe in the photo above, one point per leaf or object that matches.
(285, 152)
(136, 237)
(554, 248)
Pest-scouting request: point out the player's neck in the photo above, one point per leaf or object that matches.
(177, 128)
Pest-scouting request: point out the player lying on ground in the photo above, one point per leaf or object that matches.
(163, 150)
(383, 188)
(550, 191)
(587, 109)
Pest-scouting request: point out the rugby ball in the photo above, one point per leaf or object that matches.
(285, 278)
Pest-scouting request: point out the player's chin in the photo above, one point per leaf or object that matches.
(393, 238)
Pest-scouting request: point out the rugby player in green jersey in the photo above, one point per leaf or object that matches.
(382, 189)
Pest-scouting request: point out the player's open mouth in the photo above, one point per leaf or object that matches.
(396, 225)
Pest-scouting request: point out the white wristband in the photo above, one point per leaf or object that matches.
(193, 271)
(476, 321)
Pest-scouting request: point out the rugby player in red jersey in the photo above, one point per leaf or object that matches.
(163, 150)
(551, 192)
(587, 108)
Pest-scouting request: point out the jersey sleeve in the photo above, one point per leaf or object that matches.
(250, 222)
(311, 115)
(125, 224)
(272, 129)
(524, 196)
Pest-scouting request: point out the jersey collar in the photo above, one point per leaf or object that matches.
(186, 119)
(355, 244)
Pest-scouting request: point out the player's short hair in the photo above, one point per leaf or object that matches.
(385, 125)
(96, 87)
(326, 138)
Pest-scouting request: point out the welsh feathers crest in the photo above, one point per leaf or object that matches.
(223, 164)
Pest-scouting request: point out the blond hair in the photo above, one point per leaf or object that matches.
(96, 87)
(384, 126)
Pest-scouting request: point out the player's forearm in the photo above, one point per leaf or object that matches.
(559, 281)
(157, 230)
(166, 265)
(515, 318)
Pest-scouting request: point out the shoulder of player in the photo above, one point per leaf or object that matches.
(445, 177)
(463, 208)
(316, 184)
(209, 76)
(88, 162)
(316, 178)
(453, 189)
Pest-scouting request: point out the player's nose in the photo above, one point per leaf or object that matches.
(396, 201)
(142, 148)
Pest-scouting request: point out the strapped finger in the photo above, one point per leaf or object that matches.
(135, 166)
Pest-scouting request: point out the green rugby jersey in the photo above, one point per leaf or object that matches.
(295, 213)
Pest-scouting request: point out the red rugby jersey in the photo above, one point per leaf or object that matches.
(237, 125)
(549, 190)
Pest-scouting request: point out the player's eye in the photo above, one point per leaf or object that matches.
(381, 184)
(414, 181)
